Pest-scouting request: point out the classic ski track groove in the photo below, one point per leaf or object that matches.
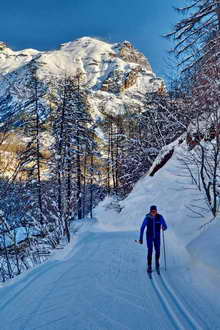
(180, 305)
(169, 298)
(166, 306)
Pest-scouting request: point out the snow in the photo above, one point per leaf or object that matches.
(99, 280)
(205, 248)
(90, 56)
(168, 190)
(12, 60)
(17, 235)
(96, 60)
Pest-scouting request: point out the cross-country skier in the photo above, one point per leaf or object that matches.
(153, 221)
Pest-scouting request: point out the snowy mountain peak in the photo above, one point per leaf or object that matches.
(116, 74)
(11, 60)
(83, 42)
(4, 49)
(123, 50)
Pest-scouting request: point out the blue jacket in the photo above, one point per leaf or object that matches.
(153, 224)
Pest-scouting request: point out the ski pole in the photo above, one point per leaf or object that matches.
(164, 252)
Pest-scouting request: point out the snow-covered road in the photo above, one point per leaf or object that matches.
(104, 285)
(100, 282)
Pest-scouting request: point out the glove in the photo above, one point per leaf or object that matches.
(164, 228)
(140, 241)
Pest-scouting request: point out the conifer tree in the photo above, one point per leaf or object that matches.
(73, 133)
(31, 159)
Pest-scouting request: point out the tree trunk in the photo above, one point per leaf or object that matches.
(218, 12)
(40, 204)
(60, 159)
(112, 156)
(108, 160)
(84, 184)
(91, 186)
(78, 194)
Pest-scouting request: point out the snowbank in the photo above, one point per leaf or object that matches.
(205, 248)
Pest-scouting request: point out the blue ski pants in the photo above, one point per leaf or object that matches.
(153, 242)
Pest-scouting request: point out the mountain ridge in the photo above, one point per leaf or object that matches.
(116, 74)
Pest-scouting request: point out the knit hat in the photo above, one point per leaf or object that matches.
(153, 208)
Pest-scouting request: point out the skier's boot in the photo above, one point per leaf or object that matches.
(158, 264)
(149, 269)
(158, 269)
(149, 262)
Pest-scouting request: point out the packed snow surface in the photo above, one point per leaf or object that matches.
(100, 282)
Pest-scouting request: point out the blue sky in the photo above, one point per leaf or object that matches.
(45, 24)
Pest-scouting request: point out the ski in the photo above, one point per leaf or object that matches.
(149, 275)
(158, 271)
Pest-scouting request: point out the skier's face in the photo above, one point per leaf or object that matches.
(153, 212)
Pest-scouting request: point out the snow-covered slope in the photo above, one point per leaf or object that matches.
(205, 248)
(100, 281)
(12, 60)
(114, 74)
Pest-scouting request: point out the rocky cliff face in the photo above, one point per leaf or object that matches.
(129, 54)
(118, 81)
(2, 45)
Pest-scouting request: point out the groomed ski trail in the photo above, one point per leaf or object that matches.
(180, 316)
(103, 285)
